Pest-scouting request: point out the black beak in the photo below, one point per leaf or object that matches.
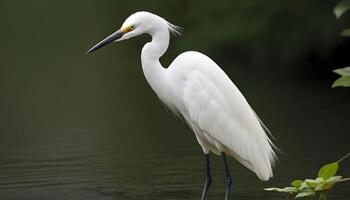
(115, 36)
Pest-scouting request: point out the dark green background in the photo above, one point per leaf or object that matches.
(76, 126)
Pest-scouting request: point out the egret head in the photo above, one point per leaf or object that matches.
(137, 24)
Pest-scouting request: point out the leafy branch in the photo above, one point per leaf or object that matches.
(339, 10)
(319, 187)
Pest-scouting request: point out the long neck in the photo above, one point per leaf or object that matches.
(155, 73)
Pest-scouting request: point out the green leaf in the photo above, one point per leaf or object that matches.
(321, 187)
(290, 189)
(328, 184)
(297, 183)
(312, 183)
(304, 186)
(334, 179)
(319, 180)
(345, 32)
(341, 8)
(343, 81)
(274, 189)
(286, 189)
(329, 170)
(305, 194)
(343, 71)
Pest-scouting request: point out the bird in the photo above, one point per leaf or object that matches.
(196, 89)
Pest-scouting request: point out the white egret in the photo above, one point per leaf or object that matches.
(198, 90)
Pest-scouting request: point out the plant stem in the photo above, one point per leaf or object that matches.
(341, 159)
(323, 196)
(320, 196)
(344, 179)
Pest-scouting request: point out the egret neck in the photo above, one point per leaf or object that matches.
(153, 70)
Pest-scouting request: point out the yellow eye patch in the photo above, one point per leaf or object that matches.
(128, 29)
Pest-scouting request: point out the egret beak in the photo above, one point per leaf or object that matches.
(115, 36)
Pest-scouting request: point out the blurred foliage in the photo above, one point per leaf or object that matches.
(253, 32)
(325, 181)
(341, 8)
(344, 80)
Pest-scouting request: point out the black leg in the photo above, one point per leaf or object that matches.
(207, 178)
(228, 178)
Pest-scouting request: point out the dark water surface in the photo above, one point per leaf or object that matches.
(89, 127)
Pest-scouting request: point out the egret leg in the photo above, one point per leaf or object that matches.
(207, 182)
(228, 178)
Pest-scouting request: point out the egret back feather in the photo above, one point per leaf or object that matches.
(223, 117)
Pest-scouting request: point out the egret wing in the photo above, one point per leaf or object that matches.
(218, 108)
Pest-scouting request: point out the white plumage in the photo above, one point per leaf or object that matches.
(196, 88)
(218, 113)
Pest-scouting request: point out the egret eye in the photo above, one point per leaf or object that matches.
(132, 27)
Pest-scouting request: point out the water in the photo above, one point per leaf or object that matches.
(138, 151)
(89, 127)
